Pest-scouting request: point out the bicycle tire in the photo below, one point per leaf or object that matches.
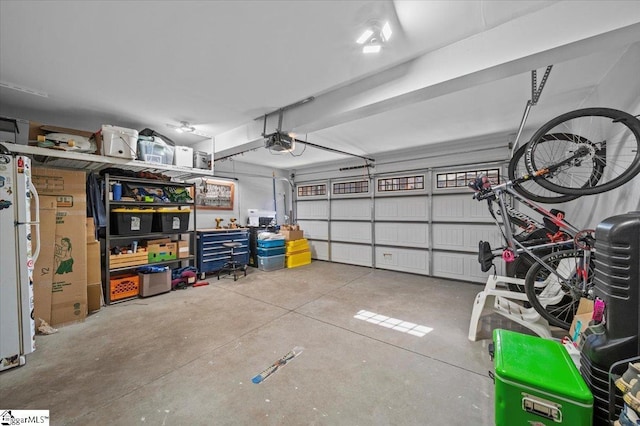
(531, 189)
(554, 301)
(589, 171)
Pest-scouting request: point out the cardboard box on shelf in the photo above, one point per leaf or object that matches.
(43, 268)
(69, 283)
(158, 241)
(183, 248)
(38, 129)
(162, 252)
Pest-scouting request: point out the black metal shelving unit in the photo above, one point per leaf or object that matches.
(109, 239)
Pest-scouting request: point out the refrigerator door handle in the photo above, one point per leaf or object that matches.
(36, 223)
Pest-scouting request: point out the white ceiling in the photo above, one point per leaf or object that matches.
(452, 70)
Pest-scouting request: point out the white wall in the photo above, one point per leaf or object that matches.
(587, 212)
(254, 189)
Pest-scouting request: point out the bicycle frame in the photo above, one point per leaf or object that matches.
(498, 194)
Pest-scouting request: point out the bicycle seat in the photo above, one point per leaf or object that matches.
(485, 256)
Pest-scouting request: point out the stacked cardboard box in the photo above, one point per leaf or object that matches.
(94, 269)
(62, 264)
(291, 232)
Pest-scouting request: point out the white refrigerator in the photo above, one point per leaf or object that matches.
(17, 258)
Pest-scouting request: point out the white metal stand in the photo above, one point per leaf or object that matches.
(496, 300)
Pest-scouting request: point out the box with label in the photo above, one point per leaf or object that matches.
(131, 221)
(170, 220)
(183, 249)
(162, 252)
(183, 156)
(69, 263)
(154, 283)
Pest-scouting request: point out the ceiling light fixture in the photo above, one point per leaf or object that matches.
(365, 36)
(386, 31)
(374, 36)
(372, 48)
(185, 128)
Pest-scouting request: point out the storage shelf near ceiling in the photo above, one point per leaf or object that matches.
(74, 160)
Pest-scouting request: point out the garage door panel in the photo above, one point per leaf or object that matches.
(312, 209)
(461, 266)
(402, 234)
(356, 232)
(315, 229)
(405, 208)
(351, 253)
(459, 208)
(464, 237)
(402, 259)
(358, 209)
(319, 250)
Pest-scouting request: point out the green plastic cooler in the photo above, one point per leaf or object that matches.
(537, 383)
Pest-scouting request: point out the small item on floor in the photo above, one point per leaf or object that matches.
(201, 283)
(185, 279)
(276, 365)
(45, 328)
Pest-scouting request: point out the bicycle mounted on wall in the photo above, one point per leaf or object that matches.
(582, 152)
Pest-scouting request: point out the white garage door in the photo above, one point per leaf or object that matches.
(423, 222)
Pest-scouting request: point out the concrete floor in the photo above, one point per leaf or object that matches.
(187, 357)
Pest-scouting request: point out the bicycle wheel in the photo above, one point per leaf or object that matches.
(531, 189)
(598, 152)
(552, 299)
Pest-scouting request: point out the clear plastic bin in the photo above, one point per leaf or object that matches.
(271, 263)
(154, 150)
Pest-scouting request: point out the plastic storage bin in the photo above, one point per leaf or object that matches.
(119, 142)
(201, 160)
(274, 251)
(297, 245)
(298, 259)
(123, 287)
(271, 263)
(131, 221)
(154, 283)
(154, 150)
(170, 220)
(183, 156)
(536, 382)
(271, 243)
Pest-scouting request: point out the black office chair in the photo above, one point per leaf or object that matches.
(233, 266)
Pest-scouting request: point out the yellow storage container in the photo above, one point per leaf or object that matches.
(298, 259)
(297, 245)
